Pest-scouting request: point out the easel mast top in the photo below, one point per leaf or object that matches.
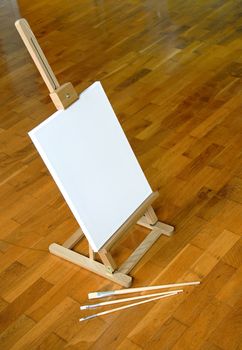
(61, 95)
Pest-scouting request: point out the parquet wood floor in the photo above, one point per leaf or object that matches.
(172, 70)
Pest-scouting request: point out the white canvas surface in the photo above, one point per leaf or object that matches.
(91, 161)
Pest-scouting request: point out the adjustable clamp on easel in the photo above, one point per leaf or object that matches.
(61, 95)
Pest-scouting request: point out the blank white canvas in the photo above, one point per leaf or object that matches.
(91, 161)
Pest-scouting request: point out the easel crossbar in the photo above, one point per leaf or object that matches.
(139, 252)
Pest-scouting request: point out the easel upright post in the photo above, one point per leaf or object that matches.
(61, 95)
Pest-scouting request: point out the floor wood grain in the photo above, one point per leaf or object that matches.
(172, 70)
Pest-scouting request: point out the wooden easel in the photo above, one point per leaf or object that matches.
(62, 97)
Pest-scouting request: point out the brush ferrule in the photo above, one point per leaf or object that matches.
(87, 318)
(104, 294)
(87, 307)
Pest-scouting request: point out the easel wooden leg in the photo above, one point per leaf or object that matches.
(107, 259)
(150, 216)
(91, 253)
(148, 219)
(74, 239)
(91, 265)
